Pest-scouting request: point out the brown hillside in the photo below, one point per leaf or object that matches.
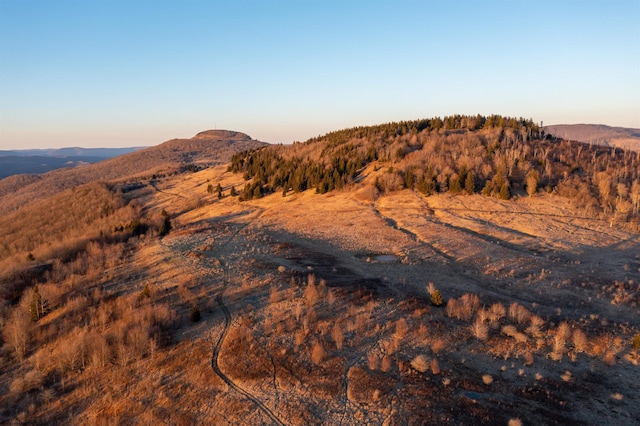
(173, 301)
(205, 149)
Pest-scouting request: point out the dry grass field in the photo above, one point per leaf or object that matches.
(323, 309)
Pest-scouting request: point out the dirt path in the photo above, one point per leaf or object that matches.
(216, 354)
(177, 254)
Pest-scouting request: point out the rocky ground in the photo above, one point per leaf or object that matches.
(395, 358)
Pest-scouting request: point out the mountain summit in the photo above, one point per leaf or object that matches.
(229, 135)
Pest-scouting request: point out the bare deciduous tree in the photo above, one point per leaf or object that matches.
(16, 331)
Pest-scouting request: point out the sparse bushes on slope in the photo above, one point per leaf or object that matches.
(504, 156)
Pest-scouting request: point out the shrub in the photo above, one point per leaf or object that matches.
(636, 341)
(496, 312)
(452, 307)
(401, 328)
(372, 361)
(386, 363)
(435, 366)
(311, 294)
(436, 298)
(519, 313)
(479, 329)
(146, 292)
(337, 335)
(580, 341)
(195, 313)
(420, 363)
(165, 226)
(317, 353)
(487, 379)
(535, 329)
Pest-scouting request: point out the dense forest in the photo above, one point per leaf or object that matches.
(495, 156)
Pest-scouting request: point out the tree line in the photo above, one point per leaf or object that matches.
(494, 155)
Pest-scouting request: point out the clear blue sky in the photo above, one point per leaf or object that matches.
(139, 72)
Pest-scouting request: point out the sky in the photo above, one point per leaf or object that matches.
(115, 73)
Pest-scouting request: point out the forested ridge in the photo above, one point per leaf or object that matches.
(494, 155)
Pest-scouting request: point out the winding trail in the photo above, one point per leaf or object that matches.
(216, 368)
(215, 355)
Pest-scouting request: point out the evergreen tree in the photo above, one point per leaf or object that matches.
(409, 178)
(532, 182)
(232, 191)
(165, 226)
(426, 183)
(505, 192)
(488, 189)
(257, 192)
(146, 292)
(436, 298)
(470, 183)
(454, 185)
(194, 315)
(219, 190)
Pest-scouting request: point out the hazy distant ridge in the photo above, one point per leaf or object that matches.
(36, 161)
(70, 152)
(599, 134)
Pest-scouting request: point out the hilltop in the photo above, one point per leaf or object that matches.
(203, 150)
(463, 270)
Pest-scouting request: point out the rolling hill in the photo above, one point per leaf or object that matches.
(463, 270)
(205, 149)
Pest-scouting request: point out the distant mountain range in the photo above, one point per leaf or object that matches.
(598, 134)
(37, 161)
(70, 152)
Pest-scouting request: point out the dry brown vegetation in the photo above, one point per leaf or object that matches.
(302, 322)
(203, 150)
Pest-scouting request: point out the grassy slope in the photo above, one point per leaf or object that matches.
(214, 147)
